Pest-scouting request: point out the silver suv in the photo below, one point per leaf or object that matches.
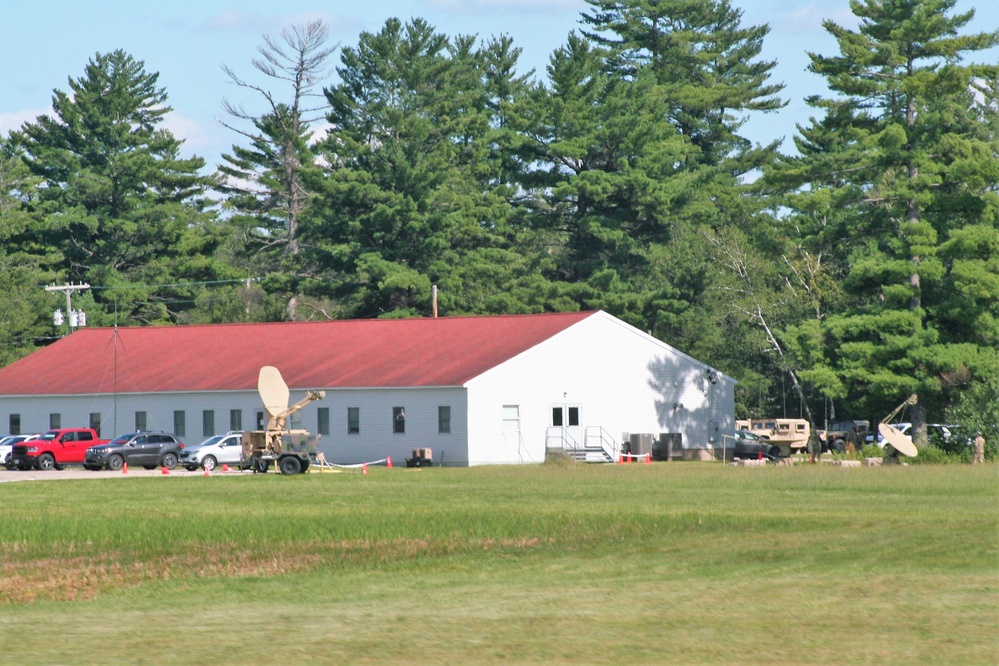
(224, 449)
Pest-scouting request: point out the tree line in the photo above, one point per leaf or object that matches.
(831, 282)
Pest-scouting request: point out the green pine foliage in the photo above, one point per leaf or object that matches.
(860, 269)
(896, 185)
(114, 198)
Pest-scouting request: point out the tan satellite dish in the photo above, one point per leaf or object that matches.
(273, 391)
(900, 442)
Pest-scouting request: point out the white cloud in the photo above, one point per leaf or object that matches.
(12, 120)
(197, 138)
(809, 19)
(489, 5)
(238, 20)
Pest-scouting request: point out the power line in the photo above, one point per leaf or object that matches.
(176, 284)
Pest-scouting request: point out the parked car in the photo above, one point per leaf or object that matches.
(7, 445)
(54, 449)
(149, 449)
(944, 436)
(224, 449)
(751, 446)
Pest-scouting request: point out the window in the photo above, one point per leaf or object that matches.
(55, 421)
(353, 420)
(565, 416)
(95, 422)
(235, 419)
(179, 424)
(14, 424)
(323, 420)
(140, 420)
(208, 422)
(444, 419)
(574, 416)
(399, 420)
(261, 421)
(511, 418)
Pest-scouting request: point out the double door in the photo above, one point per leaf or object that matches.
(565, 421)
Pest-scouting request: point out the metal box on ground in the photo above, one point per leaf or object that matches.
(670, 446)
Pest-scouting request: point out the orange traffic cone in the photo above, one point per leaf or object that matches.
(365, 467)
(208, 472)
(648, 458)
(759, 455)
(225, 468)
(388, 462)
(124, 468)
(165, 471)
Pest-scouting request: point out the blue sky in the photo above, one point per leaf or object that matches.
(45, 42)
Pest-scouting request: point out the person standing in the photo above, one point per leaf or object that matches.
(979, 457)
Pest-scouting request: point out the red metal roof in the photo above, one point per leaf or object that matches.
(446, 351)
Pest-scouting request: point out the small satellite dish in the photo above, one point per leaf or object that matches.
(900, 442)
(273, 391)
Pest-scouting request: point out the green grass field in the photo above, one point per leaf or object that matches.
(671, 563)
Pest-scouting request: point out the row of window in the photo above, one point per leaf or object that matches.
(236, 421)
(398, 420)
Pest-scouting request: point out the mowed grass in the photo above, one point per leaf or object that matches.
(671, 563)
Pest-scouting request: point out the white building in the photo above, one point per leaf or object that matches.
(476, 390)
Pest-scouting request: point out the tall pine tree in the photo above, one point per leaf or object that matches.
(897, 182)
(416, 187)
(115, 198)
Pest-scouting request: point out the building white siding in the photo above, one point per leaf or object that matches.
(118, 414)
(620, 379)
(377, 439)
(616, 379)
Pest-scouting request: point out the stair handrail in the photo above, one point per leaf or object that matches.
(607, 443)
(567, 442)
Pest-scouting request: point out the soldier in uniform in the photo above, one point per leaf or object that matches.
(814, 446)
(979, 458)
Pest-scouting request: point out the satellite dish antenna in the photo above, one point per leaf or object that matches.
(273, 391)
(899, 442)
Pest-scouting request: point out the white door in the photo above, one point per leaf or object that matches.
(565, 421)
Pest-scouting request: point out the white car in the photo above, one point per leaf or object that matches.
(7, 446)
(224, 449)
(935, 431)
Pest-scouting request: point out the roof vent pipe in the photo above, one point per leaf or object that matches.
(435, 301)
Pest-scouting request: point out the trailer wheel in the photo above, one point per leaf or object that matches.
(259, 465)
(290, 465)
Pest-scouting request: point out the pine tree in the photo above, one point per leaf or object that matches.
(25, 314)
(415, 190)
(705, 61)
(115, 199)
(896, 182)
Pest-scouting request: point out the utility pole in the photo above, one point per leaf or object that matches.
(73, 319)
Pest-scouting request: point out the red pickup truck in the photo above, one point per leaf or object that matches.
(54, 449)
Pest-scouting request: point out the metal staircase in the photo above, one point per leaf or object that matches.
(597, 447)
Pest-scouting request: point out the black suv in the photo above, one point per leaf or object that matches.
(149, 449)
